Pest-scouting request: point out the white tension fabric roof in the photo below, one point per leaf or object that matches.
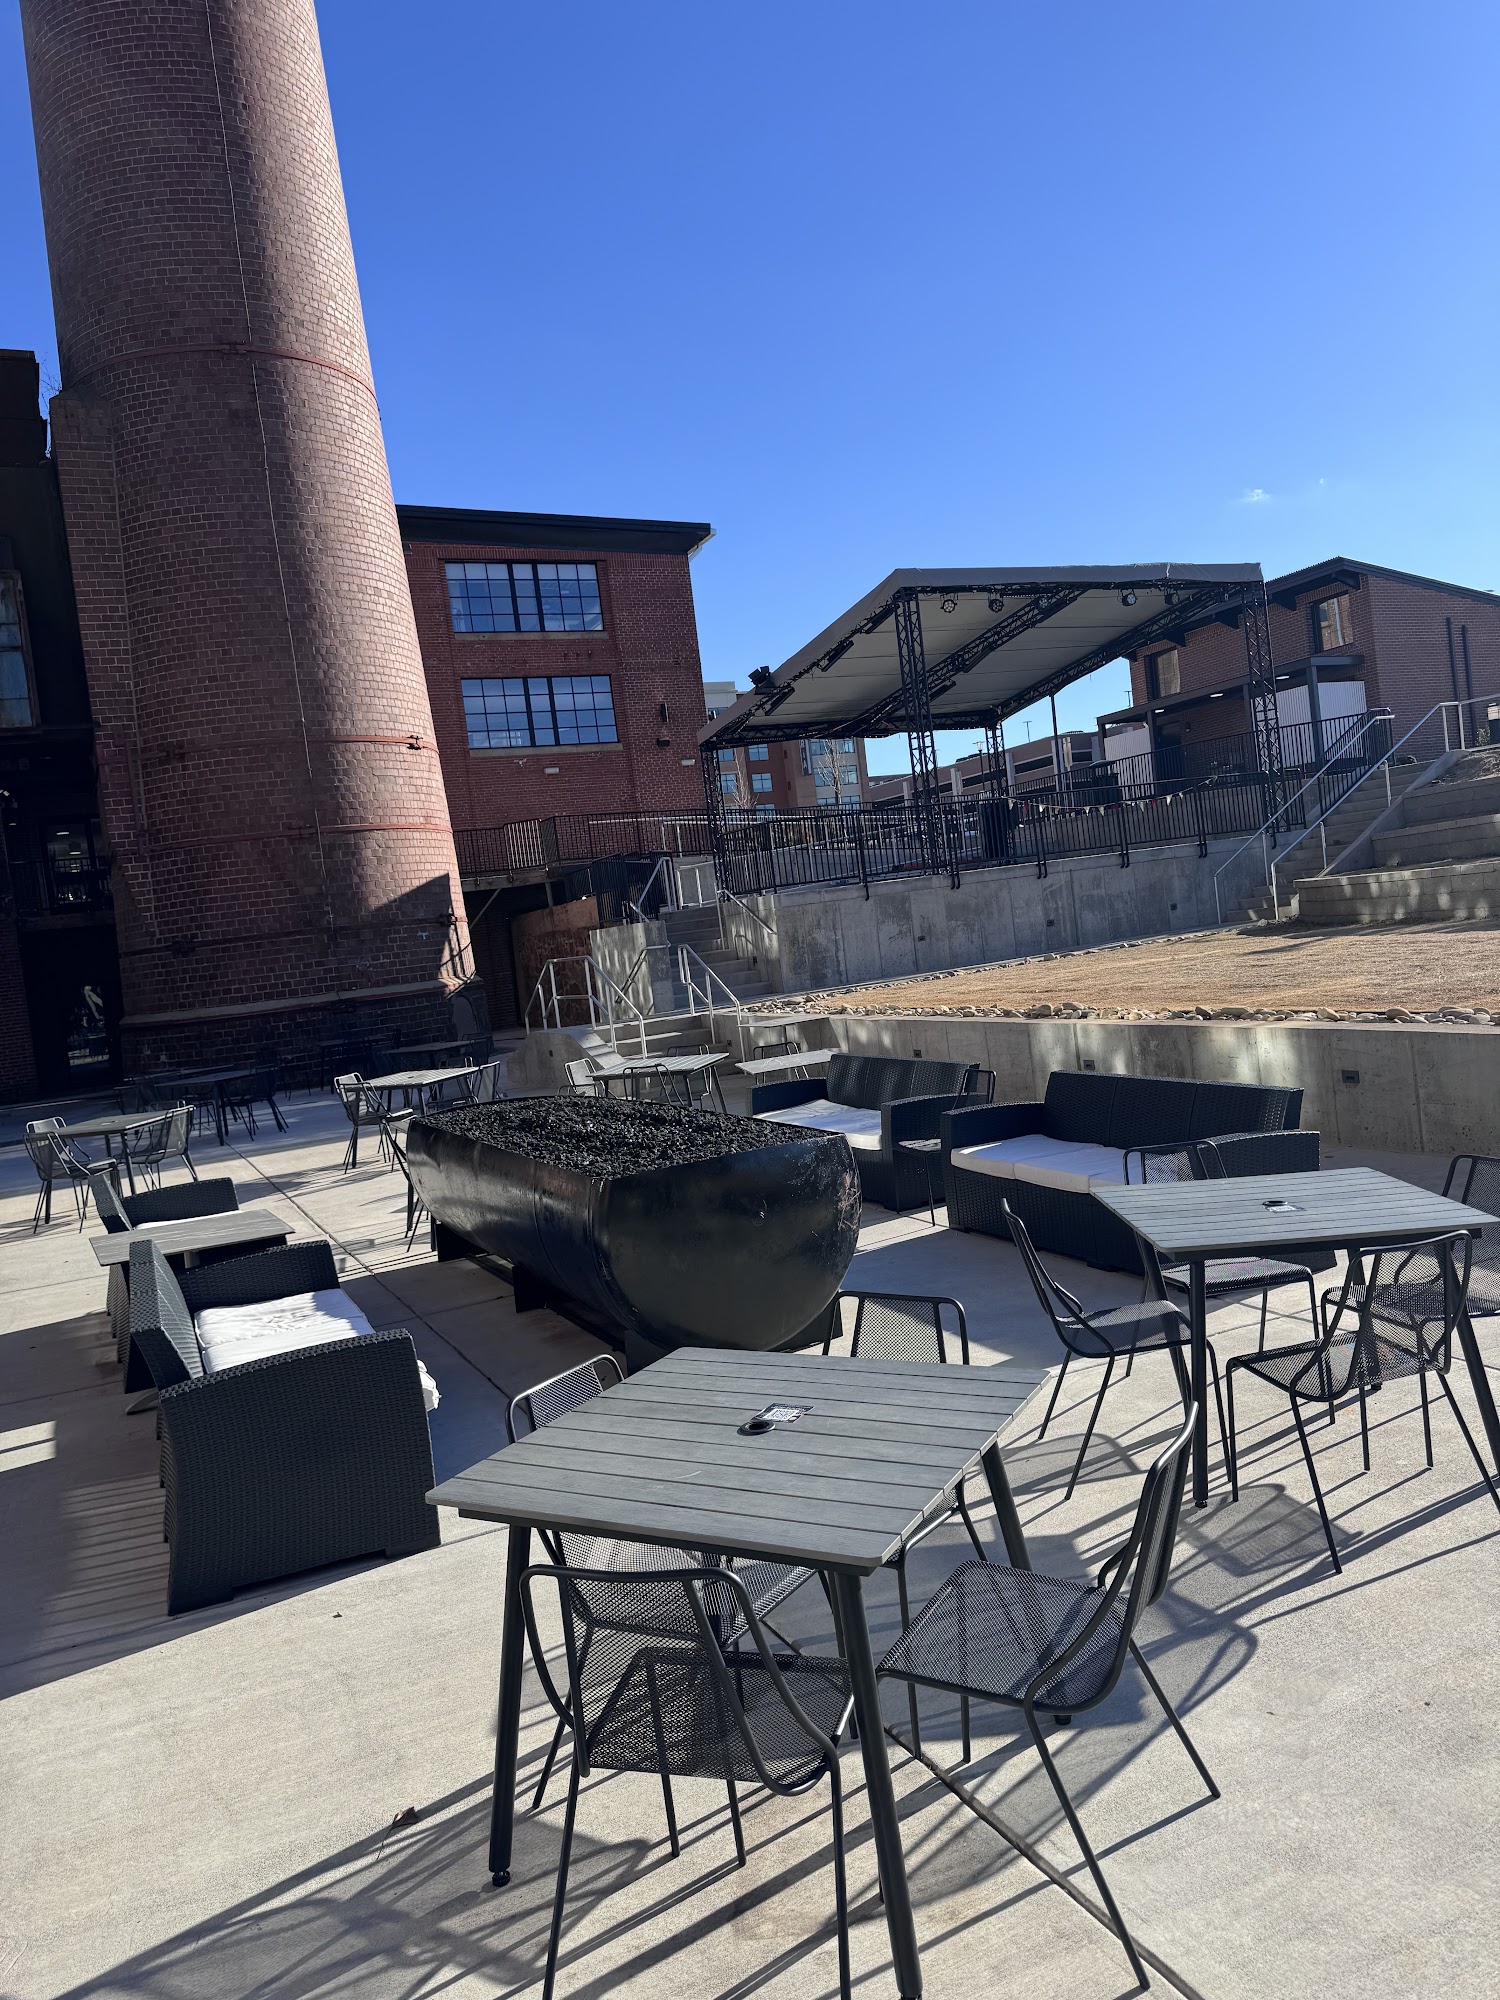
(992, 641)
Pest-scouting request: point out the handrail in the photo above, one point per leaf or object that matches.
(1340, 750)
(600, 992)
(1438, 707)
(668, 902)
(728, 896)
(687, 958)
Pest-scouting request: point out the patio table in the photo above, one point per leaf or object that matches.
(240, 1228)
(659, 1459)
(414, 1080)
(431, 1048)
(1267, 1215)
(637, 1066)
(114, 1125)
(784, 1065)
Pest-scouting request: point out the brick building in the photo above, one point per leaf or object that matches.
(1347, 637)
(561, 655)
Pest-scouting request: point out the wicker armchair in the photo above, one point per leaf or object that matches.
(282, 1464)
(120, 1213)
(876, 1102)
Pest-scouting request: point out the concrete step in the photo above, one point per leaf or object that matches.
(1456, 891)
(1434, 840)
(1467, 800)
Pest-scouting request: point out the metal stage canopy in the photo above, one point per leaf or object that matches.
(933, 649)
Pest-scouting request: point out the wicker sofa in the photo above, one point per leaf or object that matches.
(283, 1446)
(121, 1212)
(874, 1102)
(1042, 1158)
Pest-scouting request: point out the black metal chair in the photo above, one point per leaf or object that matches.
(1057, 1645)
(1375, 1329)
(1225, 1279)
(907, 1326)
(58, 1158)
(650, 1688)
(485, 1083)
(258, 1086)
(416, 1208)
(1153, 1326)
(169, 1137)
(769, 1583)
(1474, 1178)
(364, 1111)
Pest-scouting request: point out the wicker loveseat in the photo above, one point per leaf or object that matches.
(875, 1102)
(1042, 1158)
(283, 1446)
(120, 1212)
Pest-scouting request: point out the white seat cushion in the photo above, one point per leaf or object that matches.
(819, 1114)
(229, 1335)
(1059, 1163)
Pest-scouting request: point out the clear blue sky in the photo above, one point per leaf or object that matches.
(867, 285)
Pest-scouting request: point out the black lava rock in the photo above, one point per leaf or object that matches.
(607, 1136)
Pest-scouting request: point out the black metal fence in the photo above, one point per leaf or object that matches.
(47, 889)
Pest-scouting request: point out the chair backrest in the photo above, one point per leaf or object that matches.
(1474, 1178)
(359, 1106)
(903, 1326)
(148, 1143)
(108, 1205)
(545, 1402)
(868, 1082)
(179, 1129)
(982, 1085)
(583, 1076)
(50, 1154)
(1146, 1166)
(648, 1684)
(1069, 1320)
(177, 1204)
(484, 1086)
(161, 1326)
(1406, 1284)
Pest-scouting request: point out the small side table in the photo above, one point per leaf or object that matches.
(930, 1153)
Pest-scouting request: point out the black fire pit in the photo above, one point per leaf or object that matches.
(670, 1226)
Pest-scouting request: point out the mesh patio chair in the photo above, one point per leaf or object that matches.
(364, 1111)
(585, 1078)
(909, 1327)
(650, 1689)
(1224, 1278)
(1395, 1315)
(58, 1158)
(450, 1094)
(1052, 1645)
(416, 1208)
(166, 1138)
(485, 1084)
(257, 1087)
(1474, 1178)
(1153, 1326)
(769, 1583)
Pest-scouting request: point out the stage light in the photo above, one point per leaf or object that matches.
(1127, 598)
(950, 604)
(997, 604)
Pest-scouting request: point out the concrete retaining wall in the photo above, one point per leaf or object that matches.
(1389, 1088)
(836, 937)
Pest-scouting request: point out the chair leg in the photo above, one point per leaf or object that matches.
(557, 1737)
(734, 1821)
(1056, 1391)
(1234, 1448)
(1109, 1368)
(661, 1758)
(840, 1884)
(1105, 1893)
(555, 1935)
(968, 1521)
(1426, 1415)
(911, 1692)
(1172, 1716)
(1364, 1428)
(1219, 1401)
(1484, 1471)
(1265, 1306)
(1312, 1473)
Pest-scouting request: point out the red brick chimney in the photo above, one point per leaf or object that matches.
(284, 865)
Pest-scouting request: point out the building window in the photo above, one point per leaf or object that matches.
(761, 781)
(846, 745)
(849, 775)
(1333, 625)
(765, 812)
(760, 753)
(726, 756)
(515, 714)
(15, 683)
(524, 597)
(729, 787)
(1163, 675)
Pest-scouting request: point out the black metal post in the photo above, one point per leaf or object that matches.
(917, 704)
(713, 801)
(1265, 719)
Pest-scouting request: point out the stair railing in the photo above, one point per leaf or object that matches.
(699, 981)
(728, 896)
(1339, 753)
(610, 1008)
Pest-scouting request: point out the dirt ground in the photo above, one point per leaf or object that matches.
(1421, 967)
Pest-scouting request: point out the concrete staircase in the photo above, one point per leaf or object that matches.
(1439, 862)
(1363, 803)
(699, 931)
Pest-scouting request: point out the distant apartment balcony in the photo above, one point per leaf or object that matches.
(51, 889)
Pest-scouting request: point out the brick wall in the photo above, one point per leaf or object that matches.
(268, 773)
(649, 650)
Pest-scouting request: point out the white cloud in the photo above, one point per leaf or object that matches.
(1254, 496)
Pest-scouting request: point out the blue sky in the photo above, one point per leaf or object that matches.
(867, 285)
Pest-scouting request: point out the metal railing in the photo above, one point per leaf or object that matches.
(1420, 733)
(43, 889)
(1304, 746)
(608, 1006)
(528, 846)
(699, 981)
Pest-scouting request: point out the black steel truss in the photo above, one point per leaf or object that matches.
(1265, 719)
(1033, 612)
(916, 705)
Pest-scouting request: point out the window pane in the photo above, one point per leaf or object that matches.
(726, 756)
(728, 786)
(479, 597)
(760, 753)
(1334, 625)
(761, 781)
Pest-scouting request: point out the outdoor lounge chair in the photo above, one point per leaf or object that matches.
(1052, 1645)
(283, 1446)
(650, 1688)
(875, 1102)
(120, 1213)
(1397, 1319)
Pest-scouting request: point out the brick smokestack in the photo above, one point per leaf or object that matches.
(284, 865)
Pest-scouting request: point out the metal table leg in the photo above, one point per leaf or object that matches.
(1005, 1509)
(1198, 1314)
(855, 1632)
(508, 1721)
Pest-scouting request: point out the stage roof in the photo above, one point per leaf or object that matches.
(994, 641)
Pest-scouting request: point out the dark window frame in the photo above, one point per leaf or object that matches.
(538, 591)
(1154, 689)
(1343, 613)
(12, 577)
(520, 702)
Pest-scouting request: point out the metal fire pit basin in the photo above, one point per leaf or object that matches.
(682, 1227)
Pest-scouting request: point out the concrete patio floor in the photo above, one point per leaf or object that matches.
(203, 1807)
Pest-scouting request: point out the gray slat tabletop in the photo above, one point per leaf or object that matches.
(659, 1458)
(1341, 1206)
(196, 1232)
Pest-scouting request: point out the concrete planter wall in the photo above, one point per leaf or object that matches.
(1385, 1087)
